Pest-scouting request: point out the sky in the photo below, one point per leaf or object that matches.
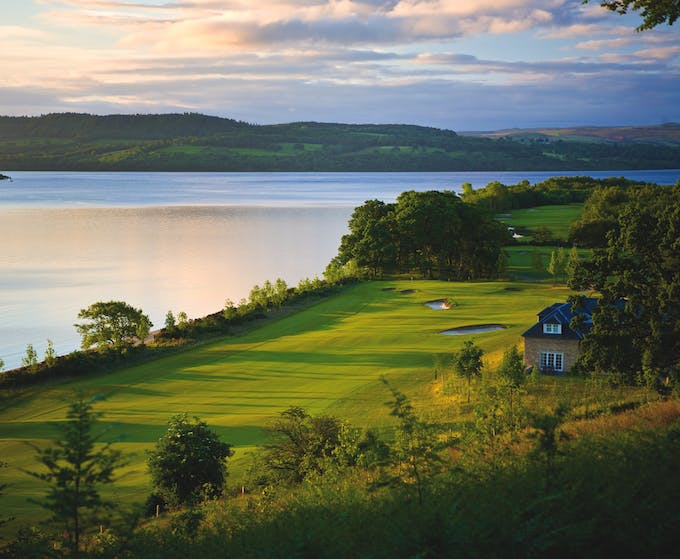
(456, 64)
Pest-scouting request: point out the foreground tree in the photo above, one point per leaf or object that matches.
(653, 12)
(468, 363)
(548, 435)
(512, 367)
(76, 469)
(512, 371)
(414, 452)
(188, 462)
(303, 446)
(112, 323)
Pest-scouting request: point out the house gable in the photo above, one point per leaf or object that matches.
(554, 321)
(551, 343)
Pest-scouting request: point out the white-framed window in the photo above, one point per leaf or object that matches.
(552, 361)
(549, 328)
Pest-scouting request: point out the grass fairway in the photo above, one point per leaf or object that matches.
(327, 358)
(556, 218)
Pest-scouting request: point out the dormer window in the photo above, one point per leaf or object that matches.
(549, 328)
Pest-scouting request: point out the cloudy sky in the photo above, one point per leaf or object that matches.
(457, 64)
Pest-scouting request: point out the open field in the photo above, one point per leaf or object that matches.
(556, 218)
(663, 134)
(328, 358)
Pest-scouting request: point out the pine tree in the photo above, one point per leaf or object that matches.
(76, 469)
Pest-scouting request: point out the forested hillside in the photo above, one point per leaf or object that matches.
(194, 142)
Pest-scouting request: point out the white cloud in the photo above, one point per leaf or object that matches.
(600, 44)
(210, 25)
(244, 58)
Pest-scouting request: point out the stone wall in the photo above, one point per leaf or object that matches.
(534, 346)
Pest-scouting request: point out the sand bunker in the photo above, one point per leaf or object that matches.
(439, 305)
(473, 329)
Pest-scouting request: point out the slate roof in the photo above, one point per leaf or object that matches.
(560, 313)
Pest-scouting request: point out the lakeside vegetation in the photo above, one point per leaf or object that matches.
(194, 142)
(403, 444)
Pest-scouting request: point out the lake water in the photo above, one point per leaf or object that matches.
(179, 241)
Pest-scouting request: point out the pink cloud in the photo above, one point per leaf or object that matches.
(659, 53)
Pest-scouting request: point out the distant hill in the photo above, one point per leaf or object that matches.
(196, 142)
(664, 134)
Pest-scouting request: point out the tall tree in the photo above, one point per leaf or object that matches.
(433, 232)
(30, 360)
(558, 263)
(280, 292)
(600, 215)
(50, 354)
(468, 363)
(636, 326)
(512, 367)
(76, 469)
(112, 323)
(370, 238)
(188, 461)
(170, 321)
(573, 261)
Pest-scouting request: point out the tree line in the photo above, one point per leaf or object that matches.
(499, 197)
(432, 234)
(115, 334)
(185, 142)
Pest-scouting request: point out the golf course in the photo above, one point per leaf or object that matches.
(326, 358)
(375, 418)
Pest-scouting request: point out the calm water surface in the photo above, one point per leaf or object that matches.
(178, 241)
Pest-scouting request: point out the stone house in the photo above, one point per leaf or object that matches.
(551, 344)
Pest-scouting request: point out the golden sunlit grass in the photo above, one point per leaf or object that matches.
(328, 358)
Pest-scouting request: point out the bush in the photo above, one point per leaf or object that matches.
(188, 462)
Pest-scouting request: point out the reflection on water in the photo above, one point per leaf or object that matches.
(54, 262)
